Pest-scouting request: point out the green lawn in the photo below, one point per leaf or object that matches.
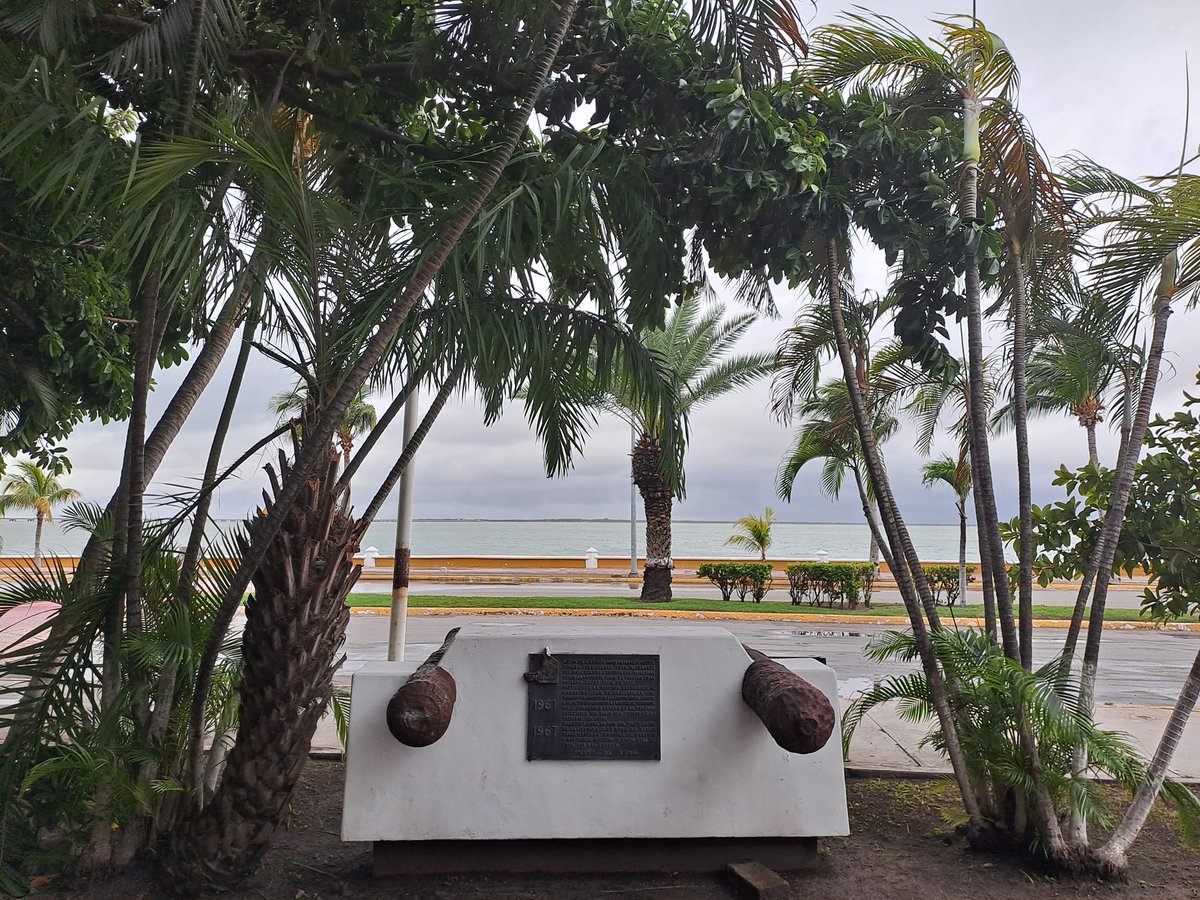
(765, 608)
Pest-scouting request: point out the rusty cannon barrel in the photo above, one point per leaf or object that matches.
(798, 716)
(419, 712)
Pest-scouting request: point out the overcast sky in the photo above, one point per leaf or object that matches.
(1105, 78)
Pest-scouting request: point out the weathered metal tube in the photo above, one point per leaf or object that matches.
(420, 711)
(798, 716)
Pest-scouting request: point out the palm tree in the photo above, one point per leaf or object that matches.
(957, 474)
(1088, 362)
(360, 417)
(754, 533)
(693, 348)
(975, 66)
(827, 433)
(31, 487)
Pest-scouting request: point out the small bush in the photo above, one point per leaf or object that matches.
(943, 582)
(816, 583)
(748, 579)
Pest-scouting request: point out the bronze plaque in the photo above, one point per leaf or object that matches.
(593, 706)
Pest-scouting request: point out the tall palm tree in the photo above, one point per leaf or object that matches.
(957, 474)
(694, 349)
(753, 533)
(32, 488)
(975, 66)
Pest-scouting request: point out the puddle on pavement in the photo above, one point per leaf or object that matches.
(853, 688)
(805, 632)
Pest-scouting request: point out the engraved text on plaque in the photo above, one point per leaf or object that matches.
(593, 706)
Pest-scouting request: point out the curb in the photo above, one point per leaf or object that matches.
(817, 618)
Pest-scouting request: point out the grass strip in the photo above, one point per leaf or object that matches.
(767, 608)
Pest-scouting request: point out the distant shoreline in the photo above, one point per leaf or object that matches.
(577, 520)
(569, 519)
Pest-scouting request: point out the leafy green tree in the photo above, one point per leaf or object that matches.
(753, 533)
(34, 489)
(440, 113)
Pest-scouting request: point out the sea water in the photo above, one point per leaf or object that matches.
(572, 538)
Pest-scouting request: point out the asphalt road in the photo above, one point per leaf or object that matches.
(1138, 668)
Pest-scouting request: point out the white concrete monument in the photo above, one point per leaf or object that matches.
(624, 747)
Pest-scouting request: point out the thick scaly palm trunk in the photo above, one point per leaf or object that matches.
(295, 625)
(656, 498)
(379, 344)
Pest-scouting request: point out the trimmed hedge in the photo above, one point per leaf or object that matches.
(753, 579)
(817, 583)
(943, 582)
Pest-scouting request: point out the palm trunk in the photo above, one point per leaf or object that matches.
(379, 344)
(878, 543)
(1024, 488)
(991, 544)
(1093, 456)
(1101, 560)
(37, 540)
(191, 556)
(1126, 409)
(985, 578)
(205, 366)
(962, 552)
(381, 427)
(164, 692)
(295, 624)
(1114, 850)
(988, 525)
(1114, 518)
(657, 499)
(901, 545)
